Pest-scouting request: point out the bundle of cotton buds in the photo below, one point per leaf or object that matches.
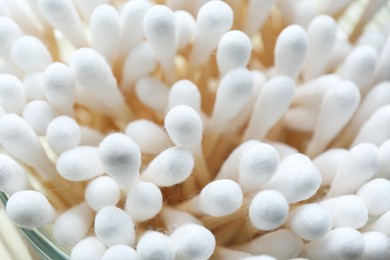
(197, 129)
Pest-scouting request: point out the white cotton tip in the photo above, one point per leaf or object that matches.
(174, 218)
(383, 64)
(281, 244)
(360, 165)
(63, 133)
(220, 198)
(12, 94)
(184, 126)
(259, 257)
(154, 245)
(340, 243)
(33, 85)
(63, 16)
(152, 92)
(257, 13)
(9, 32)
(59, 87)
(113, 227)
(283, 149)
(90, 136)
(172, 166)
(272, 103)
(384, 161)
(375, 128)
(38, 114)
(375, 39)
(257, 166)
(290, 50)
(376, 196)
(160, 29)
(12, 176)
(20, 141)
(347, 211)
(359, 65)
(121, 157)
(30, 54)
(29, 209)
(101, 192)
(322, 36)
(214, 18)
(304, 175)
(88, 248)
(337, 108)
(310, 221)
(150, 137)
(186, 28)
(305, 11)
(234, 51)
(382, 224)
(140, 62)
(105, 31)
(192, 242)
(301, 119)
(234, 91)
(80, 163)
(376, 246)
(184, 92)
(73, 225)
(268, 210)
(144, 201)
(328, 164)
(120, 252)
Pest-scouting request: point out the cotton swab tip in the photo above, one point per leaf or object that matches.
(154, 245)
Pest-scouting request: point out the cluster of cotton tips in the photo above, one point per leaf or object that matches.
(196, 129)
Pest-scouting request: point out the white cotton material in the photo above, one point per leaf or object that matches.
(114, 227)
(384, 161)
(310, 221)
(120, 252)
(383, 64)
(172, 166)
(184, 92)
(257, 13)
(360, 165)
(328, 164)
(154, 245)
(59, 87)
(375, 129)
(233, 92)
(220, 198)
(38, 114)
(376, 246)
(281, 244)
(341, 49)
(340, 243)
(337, 108)
(12, 176)
(73, 225)
(105, 31)
(304, 11)
(376, 196)
(9, 32)
(63, 16)
(29, 209)
(90, 136)
(234, 51)
(88, 248)
(290, 50)
(30, 54)
(184, 126)
(140, 62)
(192, 242)
(283, 149)
(80, 163)
(355, 215)
(268, 210)
(359, 65)
(332, 7)
(214, 18)
(375, 39)
(121, 157)
(301, 119)
(149, 136)
(382, 224)
(302, 173)
(101, 192)
(322, 36)
(63, 133)
(272, 103)
(259, 257)
(33, 85)
(144, 201)
(231, 254)
(185, 28)
(4, 10)
(12, 94)
(152, 92)
(174, 218)
(20, 141)
(257, 166)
